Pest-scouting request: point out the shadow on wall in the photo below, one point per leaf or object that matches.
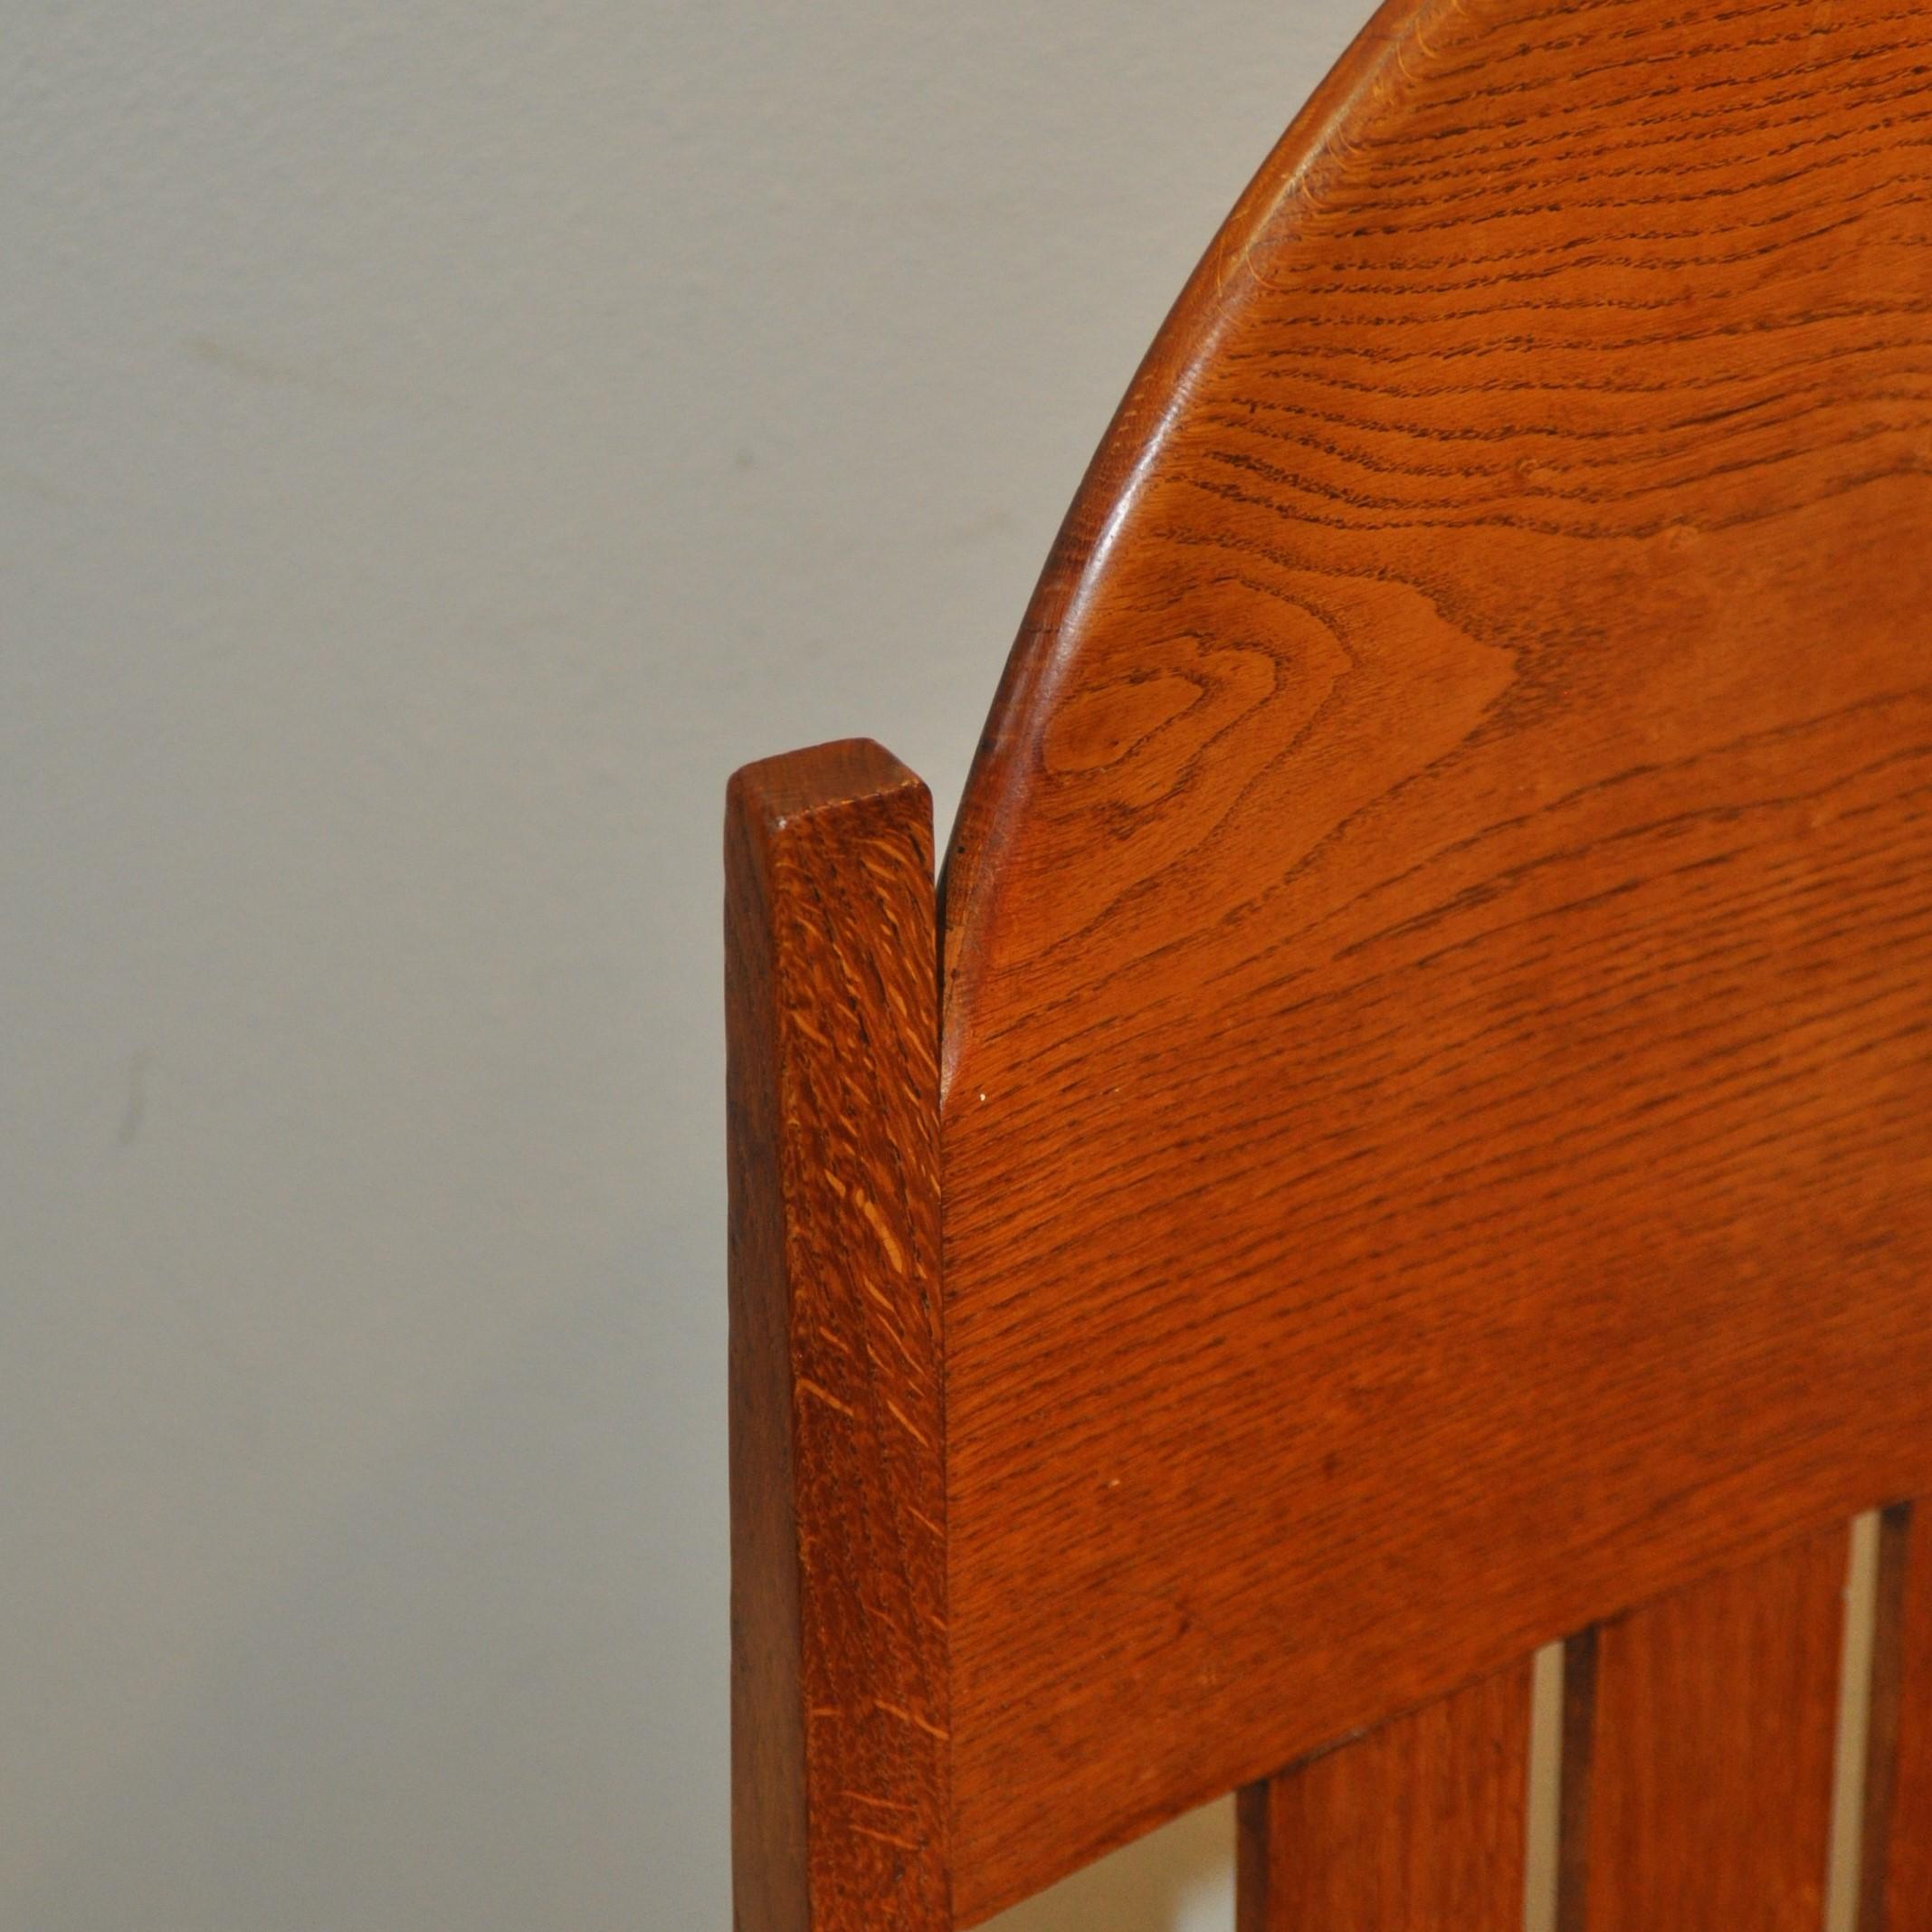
(1179, 1878)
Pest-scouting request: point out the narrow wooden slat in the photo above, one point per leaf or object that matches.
(1896, 1887)
(840, 1753)
(1699, 1753)
(1417, 1827)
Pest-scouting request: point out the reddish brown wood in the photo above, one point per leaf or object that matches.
(1435, 1072)
(1417, 1827)
(1434, 1101)
(839, 1687)
(1884, 1723)
(1703, 1797)
(1896, 1890)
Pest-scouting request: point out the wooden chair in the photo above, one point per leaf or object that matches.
(1423, 1142)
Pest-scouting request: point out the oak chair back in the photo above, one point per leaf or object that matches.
(1421, 1145)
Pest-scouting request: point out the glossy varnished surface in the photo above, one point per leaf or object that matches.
(1435, 1117)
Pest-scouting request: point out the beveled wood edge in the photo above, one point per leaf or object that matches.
(1223, 282)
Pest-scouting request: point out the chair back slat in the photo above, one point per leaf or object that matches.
(1697, 1772)
(1896, 1865)
(1416, 1827)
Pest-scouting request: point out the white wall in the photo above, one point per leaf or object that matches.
(440, 441)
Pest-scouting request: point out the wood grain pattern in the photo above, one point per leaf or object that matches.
(1417, 1827)
(840, 1756)
(1896, 1870)
(1703, 1797)
(1440, 932)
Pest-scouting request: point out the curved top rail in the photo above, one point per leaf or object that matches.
(1069, 612)
(1439, 972)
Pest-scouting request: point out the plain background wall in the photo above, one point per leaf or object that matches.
(440, 441)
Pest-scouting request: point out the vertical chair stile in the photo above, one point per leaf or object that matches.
(840, 1753)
